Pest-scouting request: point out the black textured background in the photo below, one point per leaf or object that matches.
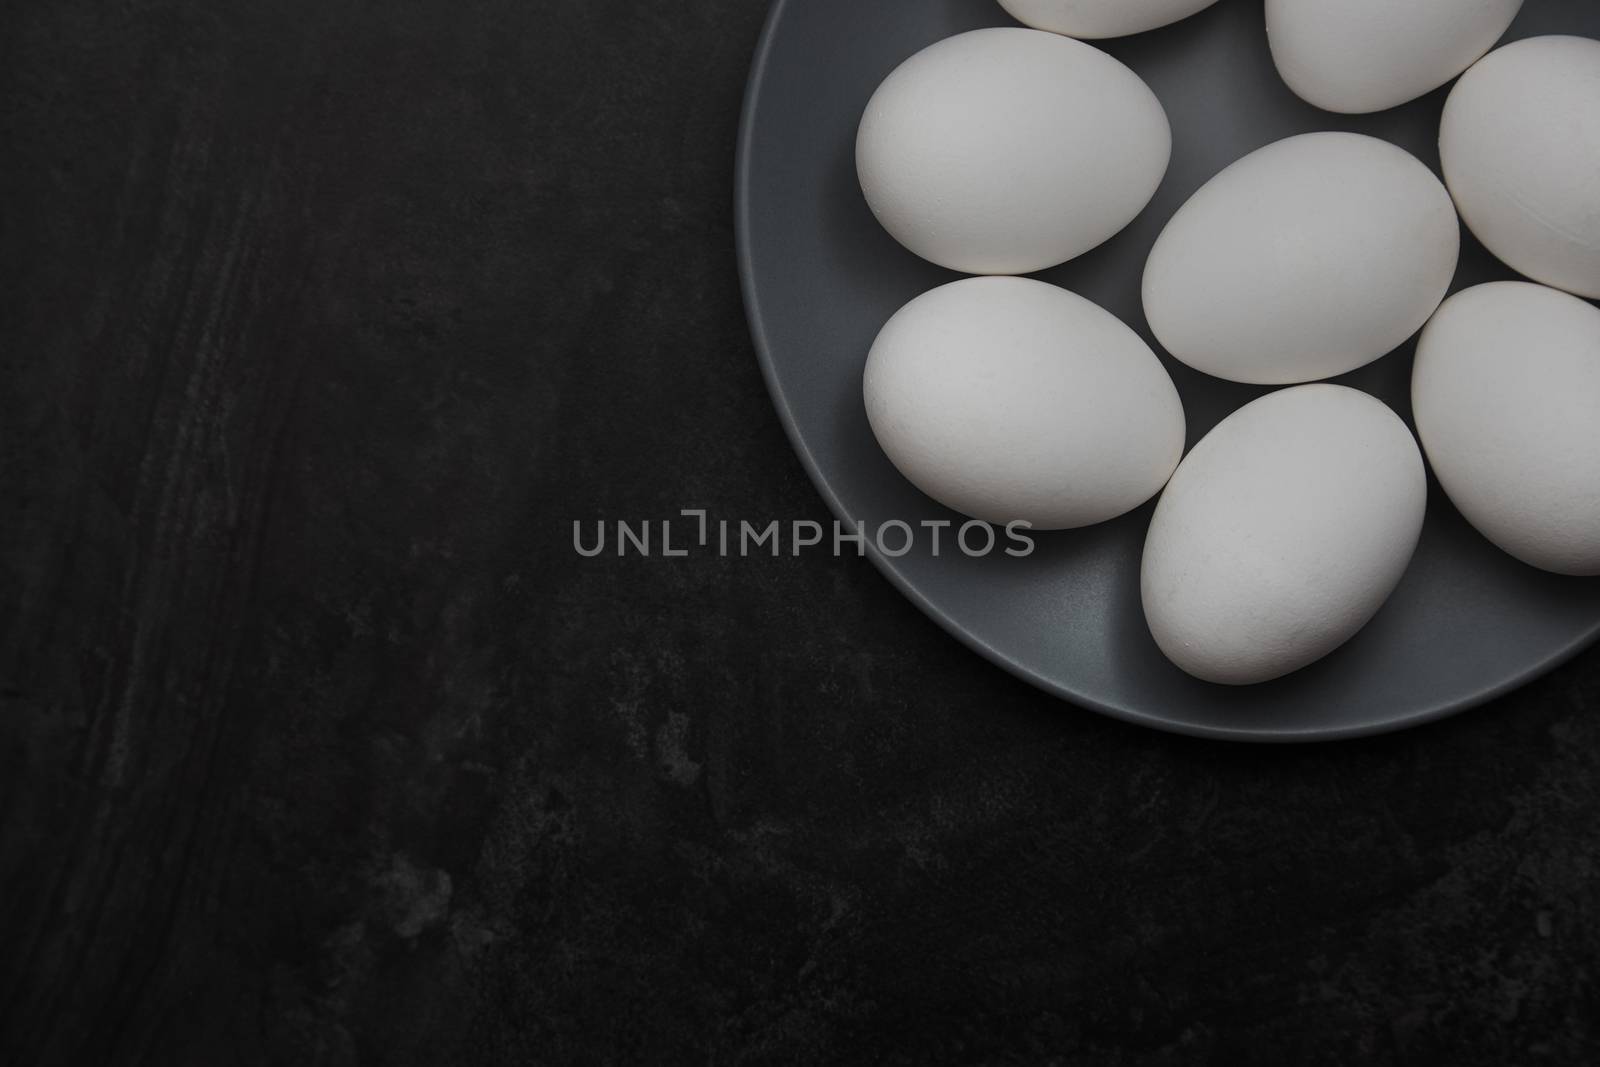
(320, 322)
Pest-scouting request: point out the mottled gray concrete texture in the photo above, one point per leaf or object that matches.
(318, 745)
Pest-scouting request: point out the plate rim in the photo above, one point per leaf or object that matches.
(743, 207)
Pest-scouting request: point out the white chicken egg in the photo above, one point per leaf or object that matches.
(1520, 144)
(1506, 393)
(1282, 533)
(1101, 18)
(1008, 399)
(1356, 56)
(1304, 260)
(1005, 151)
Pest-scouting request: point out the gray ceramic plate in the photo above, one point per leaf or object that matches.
(820, 277)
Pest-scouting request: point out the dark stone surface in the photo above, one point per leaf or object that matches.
(319, 745)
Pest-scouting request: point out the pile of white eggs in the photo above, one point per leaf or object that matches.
(1002, 152)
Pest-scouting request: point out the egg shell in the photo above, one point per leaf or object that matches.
(1506, 394)
(1008, 399)
(1006, 151)
(1520, 145)
(1101, 18)
(1357, 56)
(1282, 533)
(1304, 260)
